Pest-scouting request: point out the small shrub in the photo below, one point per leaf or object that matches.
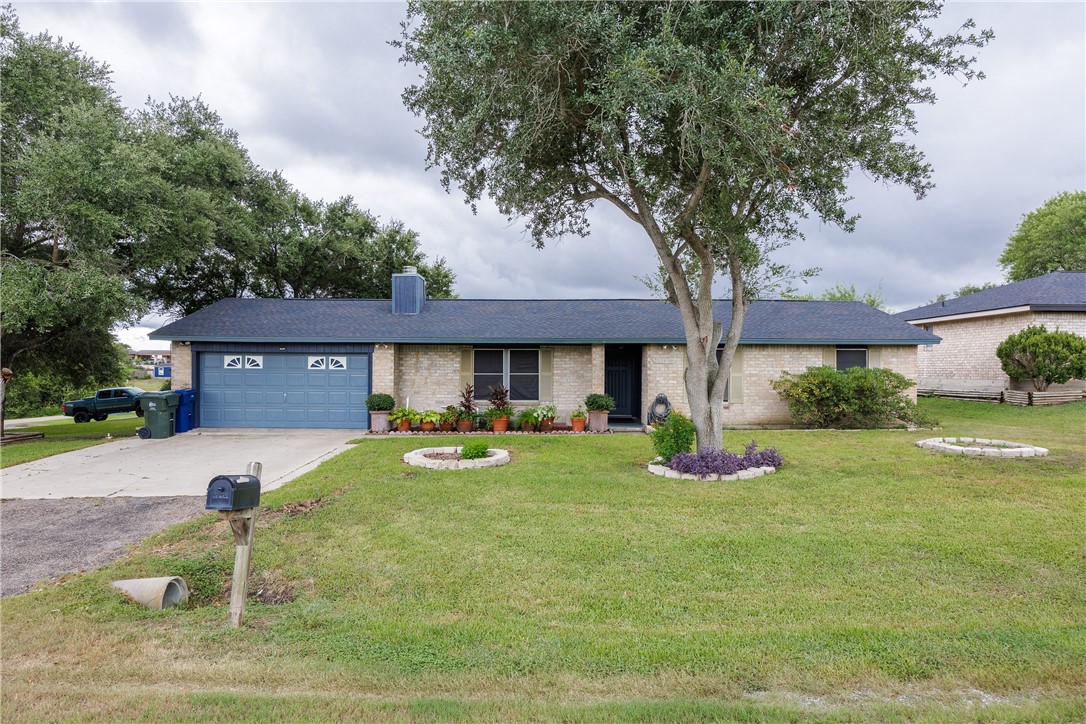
(675, 436)
(599, 402)
(858, 397)
(380, 402)
(473, 450)
(167, 385)
(722, 462)
(1043, 357)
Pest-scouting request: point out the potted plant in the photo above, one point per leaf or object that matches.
(577, 419)
(544, 415)
(598, 405)
(465, 420)
(499, 411)
(379, 404)
(526, 419)
(428, 420)
(402, 417)
(449, 418)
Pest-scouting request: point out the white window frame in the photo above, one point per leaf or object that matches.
(483, 395)
(254, 361)
(233, 361)
(333, 361)
(316, 363)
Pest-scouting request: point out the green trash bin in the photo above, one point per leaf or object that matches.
(159, 414)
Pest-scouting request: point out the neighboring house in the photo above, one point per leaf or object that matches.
(149, 356)
(312, 362)
(971, 327)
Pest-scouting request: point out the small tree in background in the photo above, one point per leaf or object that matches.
(1051, 238)
(1043, 357)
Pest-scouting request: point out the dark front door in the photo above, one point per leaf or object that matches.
(622, 381)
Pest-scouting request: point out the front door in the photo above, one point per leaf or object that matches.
(622, 380)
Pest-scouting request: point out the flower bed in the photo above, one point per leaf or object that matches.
(719, 464)
(494, 458)
(979, 446)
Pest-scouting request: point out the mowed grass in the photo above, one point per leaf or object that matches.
(867, 579)
(64, 436)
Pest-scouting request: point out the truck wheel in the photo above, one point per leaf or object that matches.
(144, 433)
(139, 412)
(100, 417)
(82, 416)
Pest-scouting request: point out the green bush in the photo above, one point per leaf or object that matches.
(858, 397)
(473, 450)
(379, 402)
(167, 385)
(1043, 357)
(675, 436)
(598, 402)
(31, 394)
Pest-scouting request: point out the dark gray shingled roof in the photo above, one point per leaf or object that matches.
(1058, 291)
(530, 321)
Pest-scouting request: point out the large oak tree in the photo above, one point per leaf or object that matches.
(714, 127)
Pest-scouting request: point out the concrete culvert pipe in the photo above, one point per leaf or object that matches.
(156, 593)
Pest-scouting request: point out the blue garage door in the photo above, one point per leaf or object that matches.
(283, 390)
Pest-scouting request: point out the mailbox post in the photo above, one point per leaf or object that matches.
(237, 499)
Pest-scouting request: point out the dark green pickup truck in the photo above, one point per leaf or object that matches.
(105, 403)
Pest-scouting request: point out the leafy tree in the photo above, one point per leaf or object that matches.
(965, 290)
(1043, 357)
(712, 126)
(841, 293)
(1051, 238)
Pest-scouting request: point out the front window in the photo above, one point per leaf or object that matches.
(517, 369)
(851, 357)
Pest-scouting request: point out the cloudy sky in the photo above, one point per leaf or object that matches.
(314, 89)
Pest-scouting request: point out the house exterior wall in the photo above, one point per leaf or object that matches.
(181, 368)
(383, 365)
(427, 375)
(663, 365)
(966, 359)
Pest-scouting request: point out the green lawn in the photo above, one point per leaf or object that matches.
(64, 436)
(868, 579)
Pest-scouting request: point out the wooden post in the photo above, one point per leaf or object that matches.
(242, 523)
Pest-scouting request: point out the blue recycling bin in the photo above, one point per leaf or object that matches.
(186, 411)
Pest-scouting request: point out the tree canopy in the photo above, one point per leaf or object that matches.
(840, 292)
(107, 213)
(715, 127)
(1051, 238)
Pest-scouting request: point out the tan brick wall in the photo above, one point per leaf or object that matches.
(181, 366)
(599, 368)
(384, 369)
(966, 358)
(662, 371)
(428, 375)
(573, 376)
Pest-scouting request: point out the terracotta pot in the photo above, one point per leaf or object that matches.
(597, 421)
(500, 424)
(578, 424)
(379, 420)
(464, 425)
(446, 427)
(546, 424)
(528, 427)
(404, 426)
(427, 426)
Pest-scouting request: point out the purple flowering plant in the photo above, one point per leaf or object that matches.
(722, 462)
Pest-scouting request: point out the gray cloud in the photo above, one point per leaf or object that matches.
(314, 90)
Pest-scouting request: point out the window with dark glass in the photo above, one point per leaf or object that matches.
(517, 369)
(851, 357)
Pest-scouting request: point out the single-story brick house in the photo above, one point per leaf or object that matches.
(312, 362)
(971, 327)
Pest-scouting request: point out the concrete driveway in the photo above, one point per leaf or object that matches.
(179, 465)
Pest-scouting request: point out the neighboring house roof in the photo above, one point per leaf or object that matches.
(530, 321)
(1055, 292)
